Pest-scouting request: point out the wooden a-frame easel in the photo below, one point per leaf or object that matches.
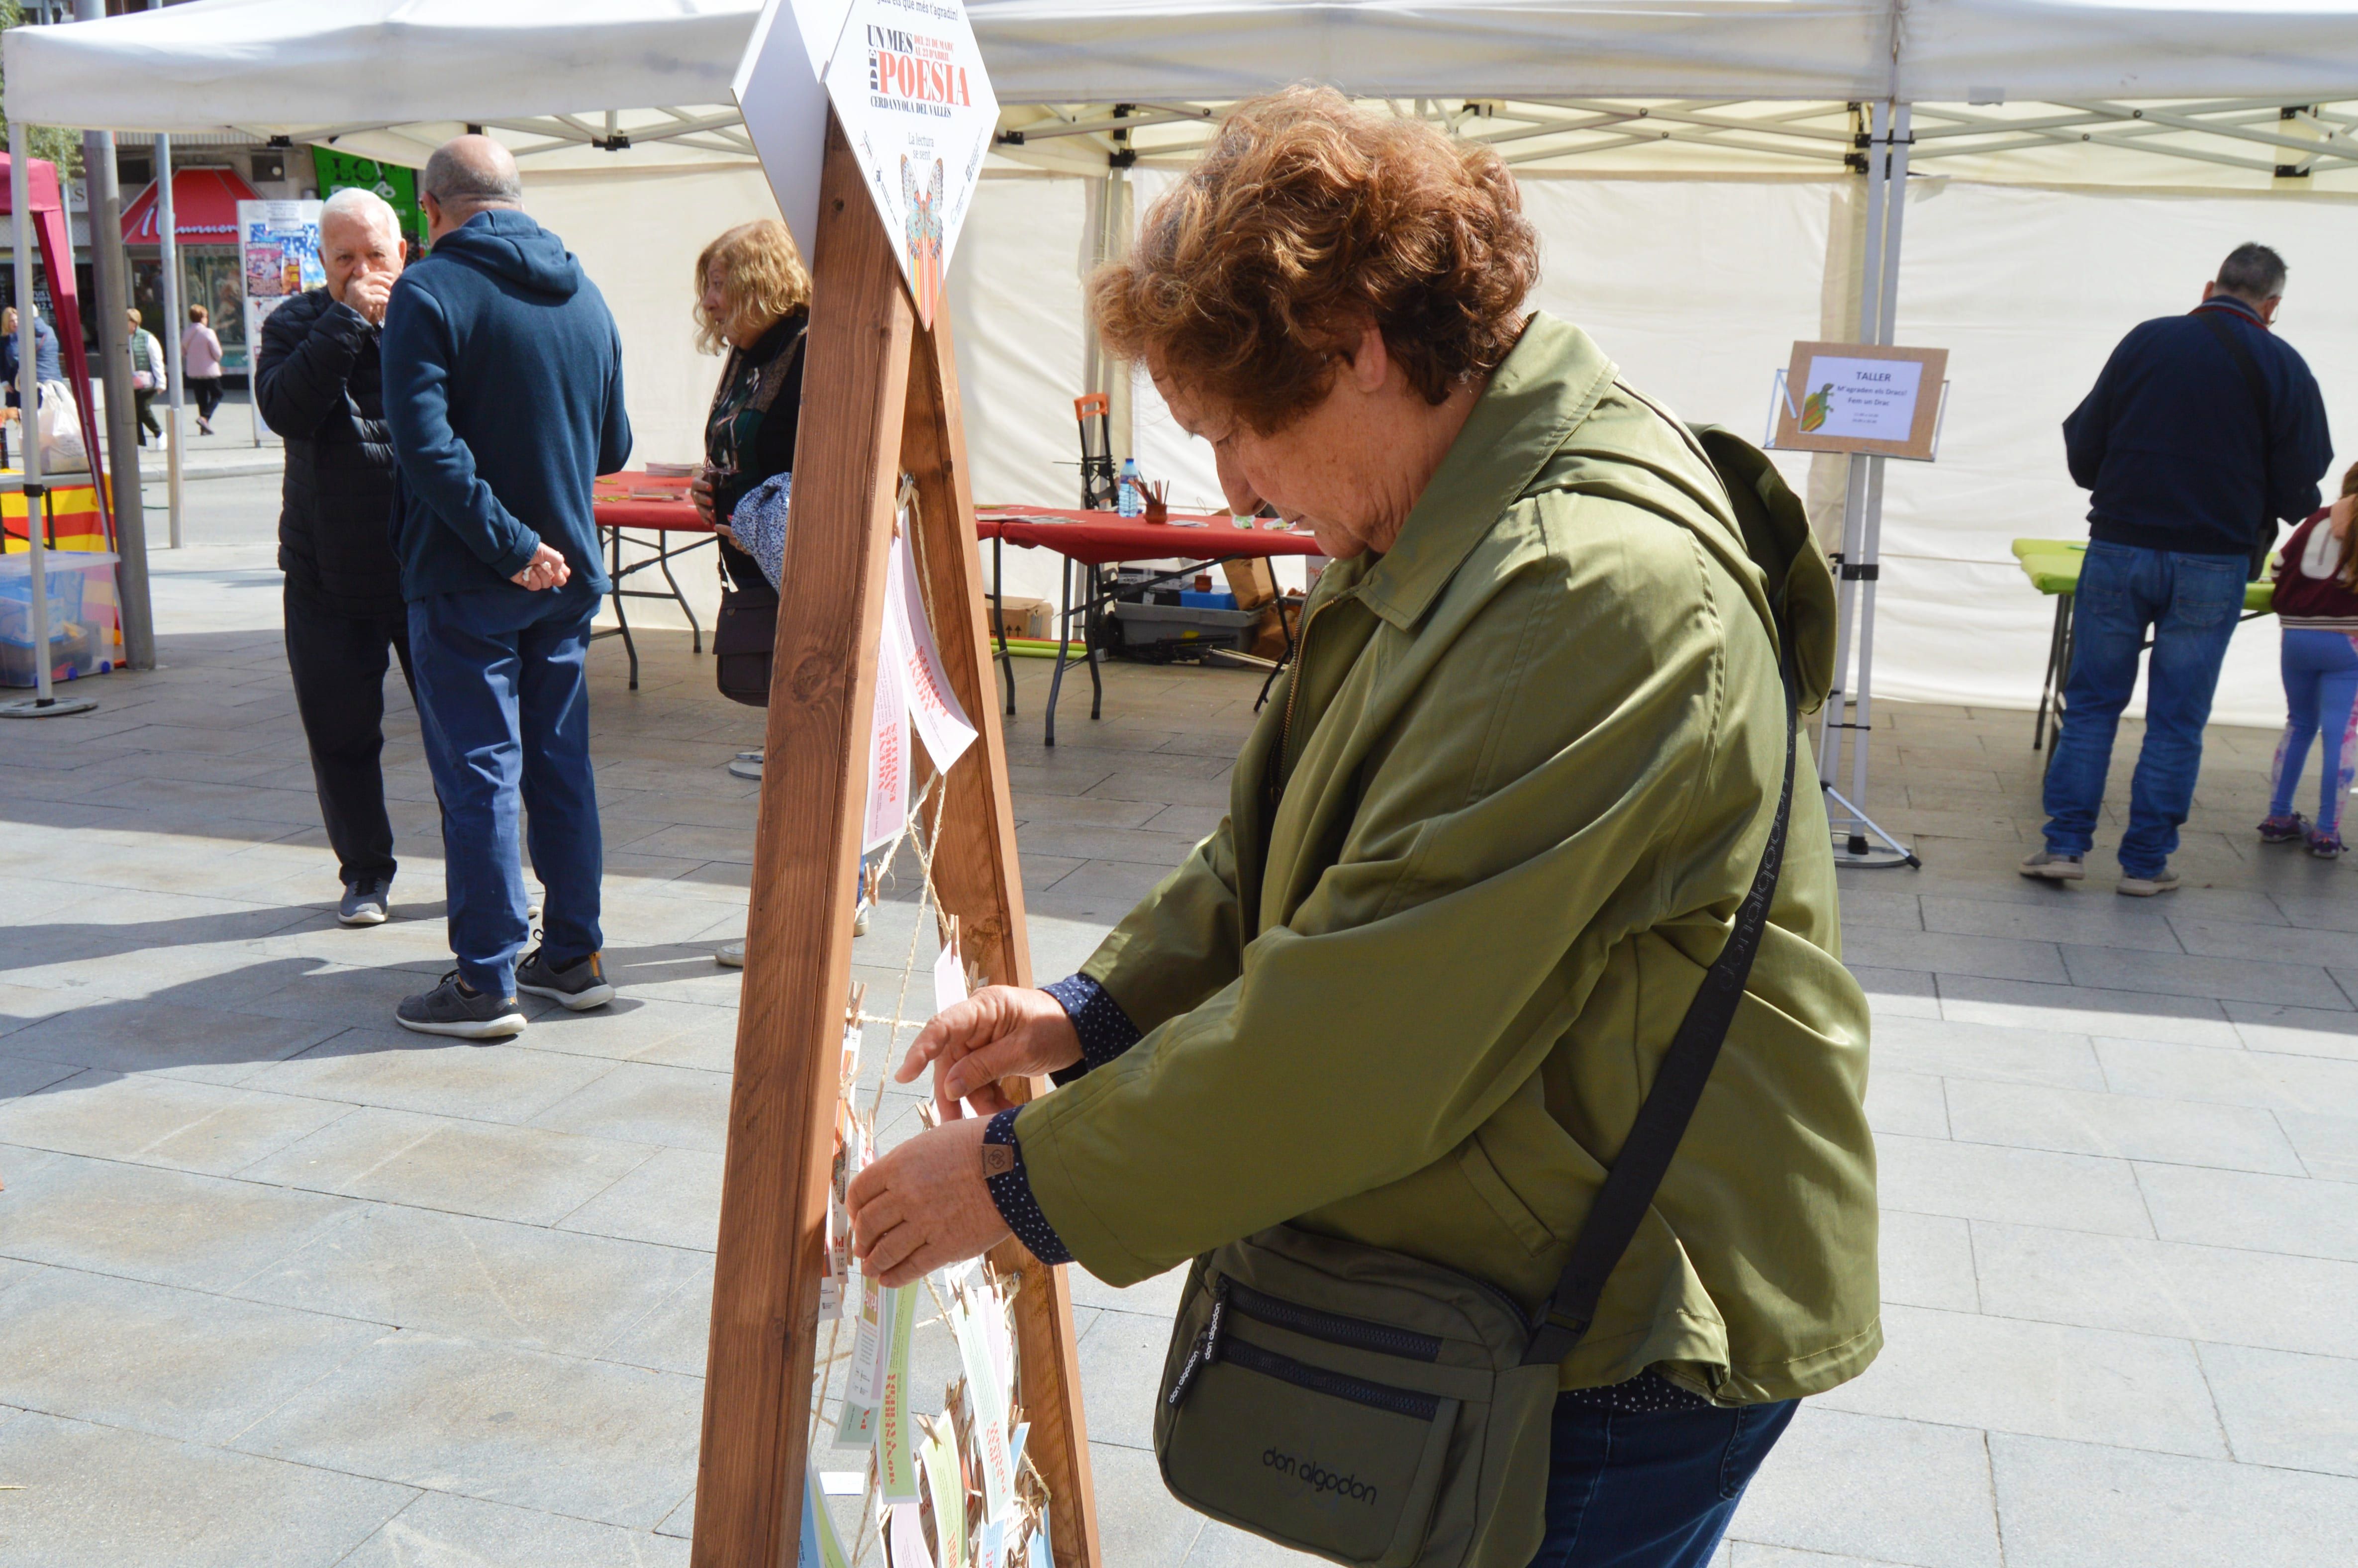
(880, 399)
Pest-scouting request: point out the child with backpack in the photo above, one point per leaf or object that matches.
(2317, 605)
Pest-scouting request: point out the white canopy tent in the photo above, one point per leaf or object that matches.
(1694, 166)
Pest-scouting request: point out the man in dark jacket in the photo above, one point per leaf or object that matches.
(2203, 431)
(503, 391)
(318, 384)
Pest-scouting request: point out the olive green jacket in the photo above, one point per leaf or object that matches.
(1480, 848)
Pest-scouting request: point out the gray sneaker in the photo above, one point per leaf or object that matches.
(2162, 881)
(578, 987)
(451, 1009)
(365, 902)
(2052, 867)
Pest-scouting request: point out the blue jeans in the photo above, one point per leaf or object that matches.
(2189, 603)
(2320, 682)
(504, 705)
(1650, 1491)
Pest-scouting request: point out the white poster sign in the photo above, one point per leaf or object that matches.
(907, 83)
(1872, 400)
(278, 258)
(781, 91)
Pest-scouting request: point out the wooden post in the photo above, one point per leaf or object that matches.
(881, 396)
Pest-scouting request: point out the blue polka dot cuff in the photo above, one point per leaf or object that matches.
(1105, 1029)
(1011, 1191)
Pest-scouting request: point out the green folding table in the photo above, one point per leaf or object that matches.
(2053, 568)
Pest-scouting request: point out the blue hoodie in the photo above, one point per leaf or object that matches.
(504, 394)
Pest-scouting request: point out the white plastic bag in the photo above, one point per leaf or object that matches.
(62, 445)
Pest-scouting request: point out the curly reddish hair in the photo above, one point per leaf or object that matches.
(1307, 219)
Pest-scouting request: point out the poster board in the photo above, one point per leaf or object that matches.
(278, 258)
(1868, 398)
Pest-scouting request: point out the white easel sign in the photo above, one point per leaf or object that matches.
(908, 84)
(1867, 398)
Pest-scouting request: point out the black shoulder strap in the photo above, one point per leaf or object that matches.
(2258, 385)
(1670, 1105)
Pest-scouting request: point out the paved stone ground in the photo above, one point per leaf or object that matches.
(282, 1284)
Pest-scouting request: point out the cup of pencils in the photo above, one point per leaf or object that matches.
(1158, 501)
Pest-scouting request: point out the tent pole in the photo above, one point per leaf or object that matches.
(110, 276)
(168, 238)
(44, 703)
(1834, 727)
(1878, 321)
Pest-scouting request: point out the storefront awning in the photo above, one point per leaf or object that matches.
(204, 208)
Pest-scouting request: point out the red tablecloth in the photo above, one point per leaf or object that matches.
(1099, 538)
(615, 505)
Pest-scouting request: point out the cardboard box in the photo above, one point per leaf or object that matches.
(1020, 617)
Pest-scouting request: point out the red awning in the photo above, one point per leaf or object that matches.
(204, 208)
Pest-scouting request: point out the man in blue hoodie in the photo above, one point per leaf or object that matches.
(2204, 431)
(504, 395)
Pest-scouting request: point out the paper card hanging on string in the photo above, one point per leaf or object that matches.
(888, 752)
(941, 722)
(896, 1463)
(781, 87)
(944, 1478)
(988, 1401)
(822, 1542)
(905, 1538)
(907, 83)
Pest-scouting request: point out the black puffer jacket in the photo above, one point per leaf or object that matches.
(320, 387)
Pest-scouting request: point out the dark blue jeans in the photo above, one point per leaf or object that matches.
(2189, 603)
(1650, 1491)
(504, 705)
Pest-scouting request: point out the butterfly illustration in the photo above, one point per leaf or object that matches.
(922, 214)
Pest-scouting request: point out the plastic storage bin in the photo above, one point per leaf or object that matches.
(80, 587)
(1147, 624)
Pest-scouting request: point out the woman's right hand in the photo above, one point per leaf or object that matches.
(1000, 1032)
(699, 490)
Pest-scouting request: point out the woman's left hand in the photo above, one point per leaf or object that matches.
(924, 1205)
(721, 530)
(699, 493)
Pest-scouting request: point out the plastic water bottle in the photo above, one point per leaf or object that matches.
(1130, 497)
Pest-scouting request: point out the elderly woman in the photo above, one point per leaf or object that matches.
(752, 298)
(1404, 1004)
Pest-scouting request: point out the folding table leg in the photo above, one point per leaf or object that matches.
(2054, 675)
(1089, 616)
(662, 563)
(999, 617)
(622, 620)
(1064, 639)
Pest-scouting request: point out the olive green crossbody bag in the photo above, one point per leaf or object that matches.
(1382, 1411)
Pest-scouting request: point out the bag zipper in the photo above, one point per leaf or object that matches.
(1332, 1328)
(1341, 1385)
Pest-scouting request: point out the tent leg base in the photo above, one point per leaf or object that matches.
(1856, 848)
(45, 707)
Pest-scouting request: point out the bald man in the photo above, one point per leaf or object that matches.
(504, 393)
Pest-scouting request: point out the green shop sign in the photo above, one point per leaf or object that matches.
(396, 184)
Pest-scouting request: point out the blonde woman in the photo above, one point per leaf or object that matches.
(752, 299)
